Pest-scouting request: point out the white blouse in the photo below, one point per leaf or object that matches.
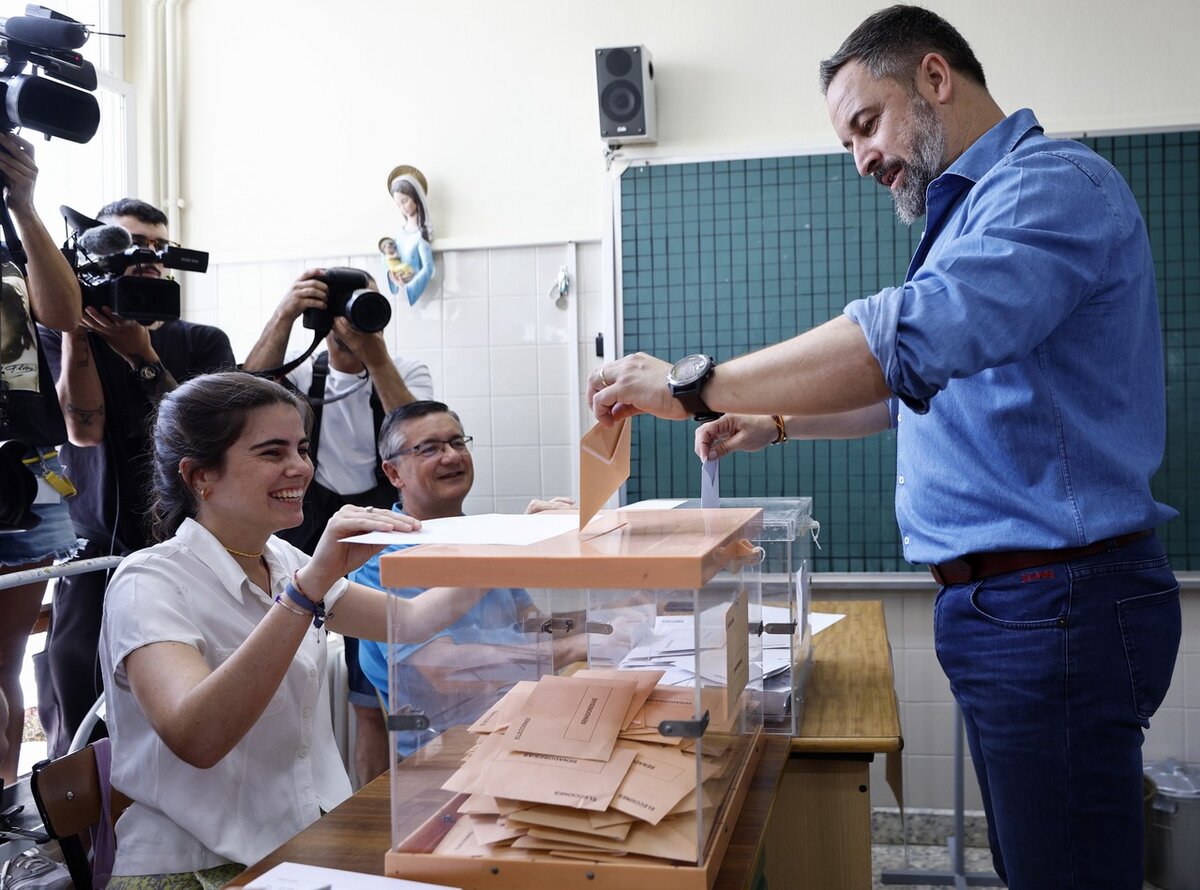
(279, 777)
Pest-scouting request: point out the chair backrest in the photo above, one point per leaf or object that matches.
(70, 800)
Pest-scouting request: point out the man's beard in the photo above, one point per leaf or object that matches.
(925, 164)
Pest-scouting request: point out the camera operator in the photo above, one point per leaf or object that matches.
(344, 450)
(29, 412)
(111, 373)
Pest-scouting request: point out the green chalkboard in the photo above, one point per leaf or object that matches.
(729, 256)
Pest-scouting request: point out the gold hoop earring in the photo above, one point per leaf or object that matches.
(203, 494)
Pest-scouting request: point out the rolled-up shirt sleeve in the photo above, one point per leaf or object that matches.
(1038, 247)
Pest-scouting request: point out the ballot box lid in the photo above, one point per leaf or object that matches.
(619, 549)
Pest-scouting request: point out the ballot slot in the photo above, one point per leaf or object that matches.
(550, 749)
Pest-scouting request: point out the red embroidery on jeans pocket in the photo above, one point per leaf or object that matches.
(1043, 575)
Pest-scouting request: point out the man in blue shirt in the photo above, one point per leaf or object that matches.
(455, 676)
(1021, 364)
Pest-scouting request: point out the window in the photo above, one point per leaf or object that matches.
(87, 176)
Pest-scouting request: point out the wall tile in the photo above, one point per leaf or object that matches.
(1191, 624)
(514, 371)
(515, 421)
(475, 412)
(514, 504)
(434, 360)
(419, 326)
(1165, 737)
(477, 504)
(925, 680)
(589, 259)
(554, 369)
(1189, 666)
(467, 372)
(553, 323)
(928, 728)
(198, 293)
(555, 420)
(464, 274)
(518, 472)
(551, 258)
(514, 320)
(934, 776)
(593, 315)
(512, 272)
(464, 323)
(1191, 729)
(557, 471)
(918, 621)
(484, 487)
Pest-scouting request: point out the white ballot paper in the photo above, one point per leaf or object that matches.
(488, 528)
(710, 484)
(294, 876)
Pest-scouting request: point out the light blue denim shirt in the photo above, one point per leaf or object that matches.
(1025, 354)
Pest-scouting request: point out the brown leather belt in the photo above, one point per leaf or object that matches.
(974, 566)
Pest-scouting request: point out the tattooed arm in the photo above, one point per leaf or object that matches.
(79, 392)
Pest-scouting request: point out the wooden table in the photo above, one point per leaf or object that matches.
(355, 835)
(819, 835)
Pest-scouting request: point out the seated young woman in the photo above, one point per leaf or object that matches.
(213, 644)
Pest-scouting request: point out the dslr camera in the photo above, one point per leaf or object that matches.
(351, 297)
(60, 102)
(101, 253)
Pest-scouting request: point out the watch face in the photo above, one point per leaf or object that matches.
(148, 372)
(689, 369)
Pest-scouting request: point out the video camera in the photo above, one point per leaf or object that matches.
(350, 295)
(100, 254)
(47, 40)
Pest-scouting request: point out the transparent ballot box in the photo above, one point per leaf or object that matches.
(594, 725)
(786, 538)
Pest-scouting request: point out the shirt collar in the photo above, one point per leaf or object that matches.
(204, 544)
(983, 154)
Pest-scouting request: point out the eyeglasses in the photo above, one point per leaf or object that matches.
(156, 244)
(431, 448)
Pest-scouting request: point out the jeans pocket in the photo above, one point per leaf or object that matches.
(1009, 601)
(1150, 630)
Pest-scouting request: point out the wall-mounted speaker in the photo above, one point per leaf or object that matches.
(625, 84)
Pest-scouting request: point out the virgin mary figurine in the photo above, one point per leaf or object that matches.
(413, 249)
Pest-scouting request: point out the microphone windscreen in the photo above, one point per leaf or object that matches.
(105, 240)
(47, 33)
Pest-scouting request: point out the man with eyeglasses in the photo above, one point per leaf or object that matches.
(110, 373)
(427, 457)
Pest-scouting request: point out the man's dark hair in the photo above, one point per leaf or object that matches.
(892, 42)
(391, 437)
(139, 210)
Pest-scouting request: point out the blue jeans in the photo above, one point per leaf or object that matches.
(1057, 671)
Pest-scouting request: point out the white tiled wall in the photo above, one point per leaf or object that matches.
(502, 352)
(927, 709)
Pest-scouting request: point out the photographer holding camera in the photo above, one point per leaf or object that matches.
(48, 294)
(351, 387)
(111, 373)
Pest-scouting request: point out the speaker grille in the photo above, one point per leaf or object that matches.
(619, 62)
(621, 101)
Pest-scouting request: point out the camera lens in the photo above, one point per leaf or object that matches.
(368, 311)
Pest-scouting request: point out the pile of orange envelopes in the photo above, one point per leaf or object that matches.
(575, 767)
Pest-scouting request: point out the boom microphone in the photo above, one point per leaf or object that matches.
(44, 32)
(104, 241)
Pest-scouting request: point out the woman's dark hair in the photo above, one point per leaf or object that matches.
(200, 420)
(892, 42)
(405, 188)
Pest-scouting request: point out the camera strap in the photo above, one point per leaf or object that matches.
(316, 398)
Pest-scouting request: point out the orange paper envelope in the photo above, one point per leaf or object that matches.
(603, 466)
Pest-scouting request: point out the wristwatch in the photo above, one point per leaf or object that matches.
(150, 372)
(686, 379)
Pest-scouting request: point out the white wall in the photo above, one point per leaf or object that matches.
(295, 113)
